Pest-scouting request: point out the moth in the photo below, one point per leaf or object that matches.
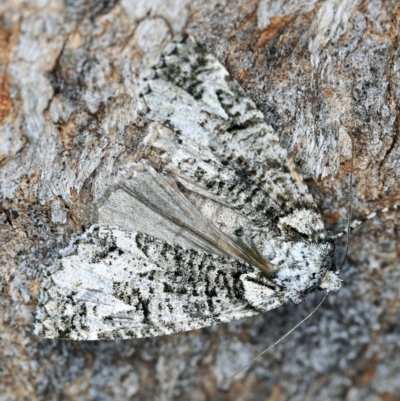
(216, 225)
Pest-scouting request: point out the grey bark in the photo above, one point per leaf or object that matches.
(326, 76)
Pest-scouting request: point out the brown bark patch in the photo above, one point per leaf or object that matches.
(5, 100)
(369, 372)
(4, 45)
(67, 134)
(275, 26)
(243, 76)
(331, 219)
(388, 397)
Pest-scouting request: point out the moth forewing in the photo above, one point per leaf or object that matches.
(121, 284)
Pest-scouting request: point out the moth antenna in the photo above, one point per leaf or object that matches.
(349, 211)
(357, 223)
(281, 339)
(351, 226)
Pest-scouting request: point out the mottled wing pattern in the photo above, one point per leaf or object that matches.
(220, 227)
(220, 142)
(115, 284)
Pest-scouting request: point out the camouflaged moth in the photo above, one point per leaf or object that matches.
(221, 227)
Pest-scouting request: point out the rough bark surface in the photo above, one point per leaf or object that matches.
(326, 76)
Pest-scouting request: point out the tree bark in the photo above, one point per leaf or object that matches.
(326, 76)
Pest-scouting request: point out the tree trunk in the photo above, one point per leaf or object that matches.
(326, 76)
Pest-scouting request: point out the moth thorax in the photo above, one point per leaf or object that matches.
(331, 281)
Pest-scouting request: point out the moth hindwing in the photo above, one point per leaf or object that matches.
(216, 225)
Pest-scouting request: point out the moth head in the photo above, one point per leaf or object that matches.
(331, 281)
